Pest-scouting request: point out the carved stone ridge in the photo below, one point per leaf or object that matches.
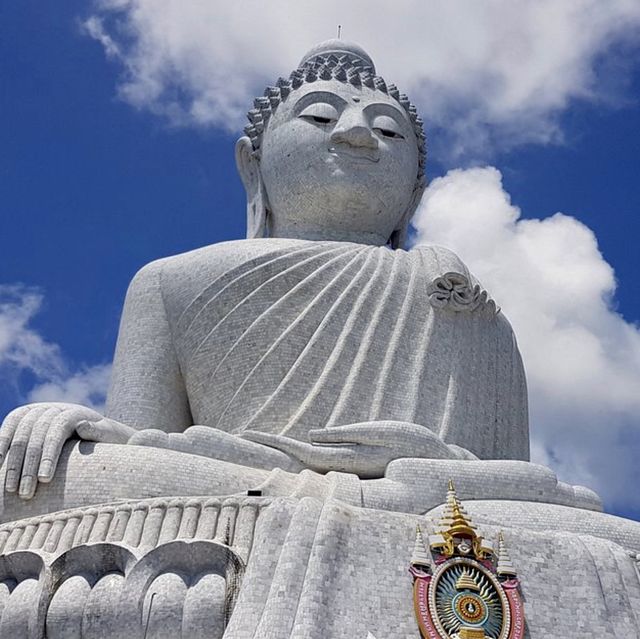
(455, 292)
(114, 570)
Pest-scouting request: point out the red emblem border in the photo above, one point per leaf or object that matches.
(425, 621)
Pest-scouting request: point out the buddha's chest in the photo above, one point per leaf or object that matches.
(324, 337)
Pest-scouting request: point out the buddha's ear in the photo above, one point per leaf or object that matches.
(249, 168)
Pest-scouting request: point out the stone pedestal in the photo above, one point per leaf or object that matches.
(248, 567)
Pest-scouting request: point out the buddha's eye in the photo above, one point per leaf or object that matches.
(387, 133)
(319, 113)
(387, 127)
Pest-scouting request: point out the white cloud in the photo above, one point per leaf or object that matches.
(87, 387)
(21, 347)
(24, 350)
(495, 72)
(582, 358)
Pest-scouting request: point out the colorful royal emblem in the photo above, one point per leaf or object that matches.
(462, 589)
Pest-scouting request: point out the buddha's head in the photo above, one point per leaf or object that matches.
(332, 153)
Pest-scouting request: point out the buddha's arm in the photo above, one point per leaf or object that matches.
(147, 389)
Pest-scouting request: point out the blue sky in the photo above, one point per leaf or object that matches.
(98, 178)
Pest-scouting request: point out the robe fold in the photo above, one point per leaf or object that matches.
(285, 336)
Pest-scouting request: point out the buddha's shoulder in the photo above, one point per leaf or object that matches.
(439, 260)
(452, 285)
(206, 264)
(436, 250)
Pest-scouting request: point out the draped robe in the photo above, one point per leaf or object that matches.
(284, 336)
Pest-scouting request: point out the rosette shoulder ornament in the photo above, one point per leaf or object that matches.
(458, 292)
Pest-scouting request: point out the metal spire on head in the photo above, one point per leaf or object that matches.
(344, 50)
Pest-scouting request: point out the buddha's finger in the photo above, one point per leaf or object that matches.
(366, 433)
(151, 437)
(62, 427)
(15, 456)
(377, 433)
(28, 481)
(105, 431)
(403, 439)
(348, 434)
(9, 426)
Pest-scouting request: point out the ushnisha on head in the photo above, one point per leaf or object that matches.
(333, 153)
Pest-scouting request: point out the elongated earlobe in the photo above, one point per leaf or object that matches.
(256, 217)
(398, 238)
(249, 168)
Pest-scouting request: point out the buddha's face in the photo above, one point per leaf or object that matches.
(338, 162)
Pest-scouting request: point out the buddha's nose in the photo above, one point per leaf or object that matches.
(353, 130)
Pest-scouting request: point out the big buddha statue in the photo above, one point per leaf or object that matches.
(285, 408)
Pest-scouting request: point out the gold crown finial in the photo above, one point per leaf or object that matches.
(455, 520)
(456, 527)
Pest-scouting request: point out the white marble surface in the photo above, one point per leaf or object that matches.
(338, 378)
(293, 567)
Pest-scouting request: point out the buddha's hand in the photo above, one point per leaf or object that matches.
(32, 437)
(364, 448)
(207, 441)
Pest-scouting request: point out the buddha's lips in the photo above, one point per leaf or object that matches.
(362, 156)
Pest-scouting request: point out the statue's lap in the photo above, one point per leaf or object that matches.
(92, 473)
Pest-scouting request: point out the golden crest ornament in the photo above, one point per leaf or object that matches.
(462, 588)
